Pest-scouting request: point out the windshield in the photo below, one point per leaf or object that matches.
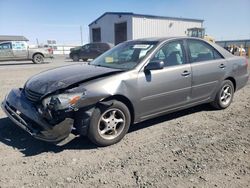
(125, 56)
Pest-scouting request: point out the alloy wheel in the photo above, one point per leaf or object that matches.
(226, 95)
(111, 123)
(38, 59)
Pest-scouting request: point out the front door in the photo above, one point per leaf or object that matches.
(6, 52)
(168, 88)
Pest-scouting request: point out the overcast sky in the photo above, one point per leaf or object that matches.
(61, 19)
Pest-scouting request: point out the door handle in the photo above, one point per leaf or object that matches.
(222, 66)
(185, 73)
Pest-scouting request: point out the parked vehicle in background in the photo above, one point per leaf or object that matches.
(134, 81)
(19, 50)
(199, 33)
(89, 51)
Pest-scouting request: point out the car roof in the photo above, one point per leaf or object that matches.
(161, 39)
(221, 50)
(111, 45)
(5, 42)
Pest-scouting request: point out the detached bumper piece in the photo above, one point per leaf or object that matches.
(24, 114)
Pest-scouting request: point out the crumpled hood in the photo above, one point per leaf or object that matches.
(62, 77)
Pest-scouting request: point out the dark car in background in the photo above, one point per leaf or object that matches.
(89, 51)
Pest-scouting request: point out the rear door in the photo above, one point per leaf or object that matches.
(6, 52)
(103, 47)
(208, 69)
(94, 50)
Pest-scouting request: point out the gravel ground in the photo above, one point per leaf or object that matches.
(197, 147)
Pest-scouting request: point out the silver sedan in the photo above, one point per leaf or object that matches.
(135, 81)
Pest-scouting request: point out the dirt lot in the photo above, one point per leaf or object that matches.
(197, 147)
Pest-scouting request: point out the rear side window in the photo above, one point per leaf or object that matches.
(93, 46)
(103, 46)
(201, 51)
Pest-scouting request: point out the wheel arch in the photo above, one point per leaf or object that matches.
(233, 81)
(124, 100)
(36, 54)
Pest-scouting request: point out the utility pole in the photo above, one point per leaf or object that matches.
(37, 42)
(81, 34)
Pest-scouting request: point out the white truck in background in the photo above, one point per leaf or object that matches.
(19, 50)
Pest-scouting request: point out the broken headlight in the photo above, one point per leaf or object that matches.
(62, 101)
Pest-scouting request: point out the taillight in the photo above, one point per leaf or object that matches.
(50, 50)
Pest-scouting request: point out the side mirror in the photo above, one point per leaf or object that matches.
(155, 65)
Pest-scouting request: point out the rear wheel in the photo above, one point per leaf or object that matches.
(224, 96)
(109, 124)
(38, 58)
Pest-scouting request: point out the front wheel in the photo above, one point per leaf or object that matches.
(38, 58)
(75, 57)
(109, 124)
(224, 96)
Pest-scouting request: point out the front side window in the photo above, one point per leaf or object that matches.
(93, 46)
(171, 54)
(5, 46)
(126, 55)
(201, 51)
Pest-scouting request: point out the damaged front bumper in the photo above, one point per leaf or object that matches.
(26, 115)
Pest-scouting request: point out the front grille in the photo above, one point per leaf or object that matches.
(32, 95)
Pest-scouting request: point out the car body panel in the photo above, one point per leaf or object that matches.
(206, 78)
(44, 51)
(21, 111)
(163, 89)
(148, 94)
(63, 77)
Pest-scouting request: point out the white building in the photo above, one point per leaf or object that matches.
(116, 27)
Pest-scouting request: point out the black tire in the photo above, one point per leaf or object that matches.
(109, 138)
(220, 103)
(75, 57)
(38, 58)
(85, 59)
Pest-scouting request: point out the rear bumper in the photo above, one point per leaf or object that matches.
(49, 56)
(24, 114)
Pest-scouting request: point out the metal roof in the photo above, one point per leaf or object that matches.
(12, 38)
(146, 16)
(240, 40)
